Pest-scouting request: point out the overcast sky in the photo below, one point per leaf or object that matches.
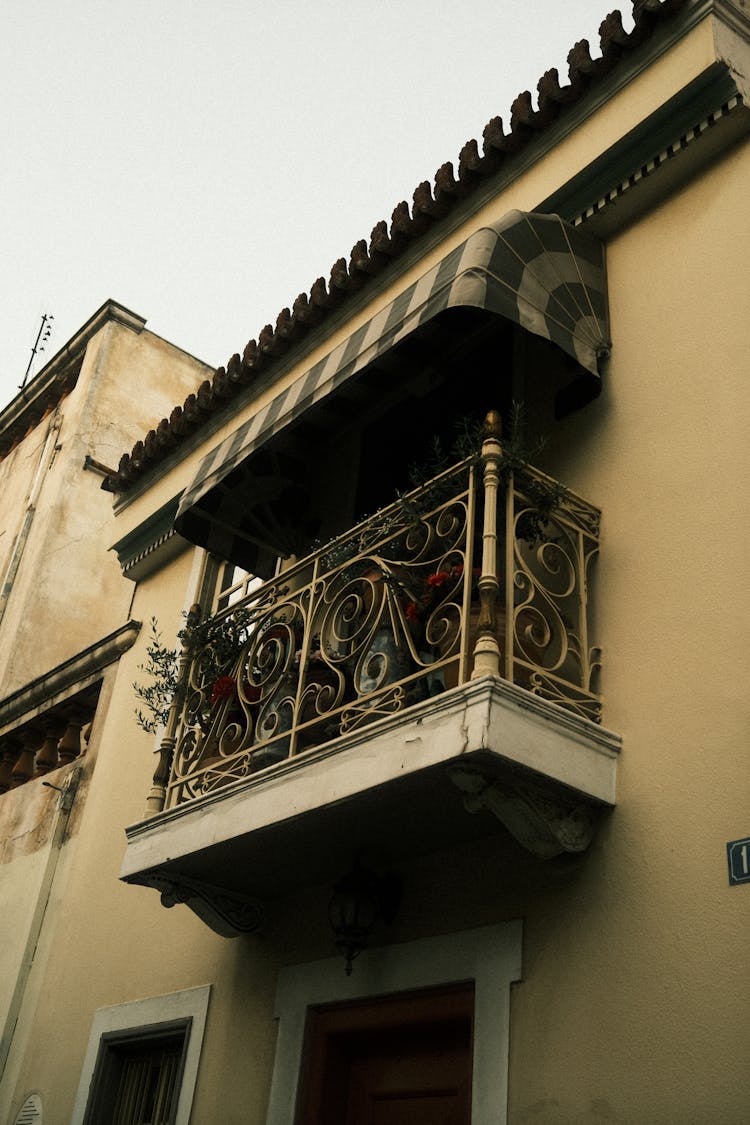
(204, 161)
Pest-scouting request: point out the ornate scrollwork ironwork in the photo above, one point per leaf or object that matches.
(552, 656)
(381, 618)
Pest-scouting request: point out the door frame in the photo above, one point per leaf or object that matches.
(424, 1035)
(490, 956)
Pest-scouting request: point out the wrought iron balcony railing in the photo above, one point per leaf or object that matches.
(482, 571)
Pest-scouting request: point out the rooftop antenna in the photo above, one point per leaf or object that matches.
(42, 336)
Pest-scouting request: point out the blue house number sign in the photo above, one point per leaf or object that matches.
(738, 858)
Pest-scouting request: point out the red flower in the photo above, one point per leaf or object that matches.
(412, 613)
(439, 578)
(223, 688)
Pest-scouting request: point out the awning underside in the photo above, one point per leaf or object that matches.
(533, 270)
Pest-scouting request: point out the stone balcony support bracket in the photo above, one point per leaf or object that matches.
(226, 913)
(542, 821)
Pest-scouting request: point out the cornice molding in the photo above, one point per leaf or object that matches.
(67, 678)
(60, 374)
(733, 14)
(710, 104)
(151, 544)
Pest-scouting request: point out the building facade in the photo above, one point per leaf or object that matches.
(65, 621)
(435, 826)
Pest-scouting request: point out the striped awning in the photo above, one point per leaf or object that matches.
(535, 270)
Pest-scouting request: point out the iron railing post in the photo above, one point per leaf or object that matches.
(487, 648)
(162, 774)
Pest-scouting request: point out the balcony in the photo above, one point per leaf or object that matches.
(435, 659)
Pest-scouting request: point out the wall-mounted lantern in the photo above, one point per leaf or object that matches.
(361, 899)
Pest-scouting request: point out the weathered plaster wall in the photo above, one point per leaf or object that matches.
(17, 472)
(25, 828)
(69, 591)
(91, 933)
(39, 845)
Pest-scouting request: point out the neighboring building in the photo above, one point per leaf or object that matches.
(65, 621)
(389, 731)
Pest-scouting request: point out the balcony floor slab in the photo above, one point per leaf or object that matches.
(385, 786)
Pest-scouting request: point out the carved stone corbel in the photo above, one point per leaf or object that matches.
(227, 913)
(545, 823)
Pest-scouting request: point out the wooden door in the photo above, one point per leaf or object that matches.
(397, 1060)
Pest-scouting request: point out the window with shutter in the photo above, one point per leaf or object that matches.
(137, 1077)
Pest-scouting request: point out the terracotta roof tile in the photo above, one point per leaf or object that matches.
(471, 163)
(581, 67)
(495, 141)
(381, 243)
(447, 188)
(552, 94)
(178, 423)
(430, 204)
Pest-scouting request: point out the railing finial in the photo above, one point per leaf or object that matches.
(493, 425)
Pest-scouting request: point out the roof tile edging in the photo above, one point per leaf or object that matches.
(429, 205)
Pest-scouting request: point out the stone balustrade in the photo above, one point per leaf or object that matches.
(46, 742)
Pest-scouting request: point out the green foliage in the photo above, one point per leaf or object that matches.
(218, 640)
(215, 641)
(545, 496)
(156, 696)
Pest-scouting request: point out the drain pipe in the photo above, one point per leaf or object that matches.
(49, 451)
(62, 815)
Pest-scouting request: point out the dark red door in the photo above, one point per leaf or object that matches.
(398, 1060)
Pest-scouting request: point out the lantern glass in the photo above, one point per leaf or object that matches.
(353, 912)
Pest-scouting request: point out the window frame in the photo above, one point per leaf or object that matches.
(153, 1018)
(110, 1059)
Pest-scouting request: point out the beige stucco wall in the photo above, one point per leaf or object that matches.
(654, 936)
(17, 472)
(633, 1006)
(69, 591)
